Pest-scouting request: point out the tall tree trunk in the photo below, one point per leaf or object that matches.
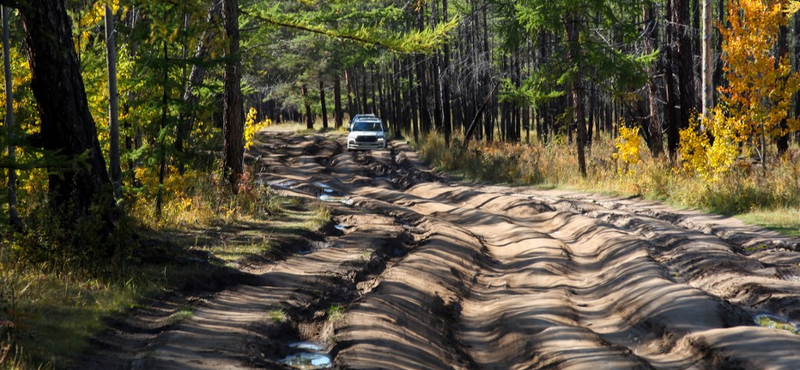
(337, 100)
(307, 105)
(783, 54)
(796, 45)
(134, 16)
(707, 59)
(685, 62)
(113, 104)
(651, 36)
(489, 114)
(437, 84)
(67, 127)
(673, 114)
(162, 148)
(412, 99)
(365, 107)
(446, 109)
(190, 98)
(348, 80)
(322, 101)
(373, 93)
(719, 77)
(232, 105)
(13, 215)
(697, 47)
(424, 115)
(574, 55)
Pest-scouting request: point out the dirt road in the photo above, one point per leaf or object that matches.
(424, 273)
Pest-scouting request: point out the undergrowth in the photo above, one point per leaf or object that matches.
(58, 283)
(742, 190)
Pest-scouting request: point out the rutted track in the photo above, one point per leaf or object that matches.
(490, 277)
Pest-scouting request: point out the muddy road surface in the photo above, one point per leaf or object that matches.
(421, 272)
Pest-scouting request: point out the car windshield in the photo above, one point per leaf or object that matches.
(367, 126)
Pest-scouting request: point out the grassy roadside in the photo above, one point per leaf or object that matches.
(771, 200)
(48, 313)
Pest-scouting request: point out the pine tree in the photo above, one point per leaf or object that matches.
(592, 35)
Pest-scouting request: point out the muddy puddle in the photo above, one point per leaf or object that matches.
(310, 356)
(280, 184)
(336, 199)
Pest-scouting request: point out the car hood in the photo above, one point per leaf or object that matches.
(366, 133)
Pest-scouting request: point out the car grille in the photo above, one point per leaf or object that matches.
(367, 139)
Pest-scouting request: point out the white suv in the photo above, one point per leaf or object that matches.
(366, 133)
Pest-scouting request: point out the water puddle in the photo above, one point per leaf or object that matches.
(282, 184)
(310, 346)
(313, 357)
(325, 188)
(775, 322)
(335, 199)
(341, 227)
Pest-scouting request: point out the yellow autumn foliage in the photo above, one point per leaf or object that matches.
(756, 100)
(760, 86)
(627, 146)
(710, 160)
(251, 127)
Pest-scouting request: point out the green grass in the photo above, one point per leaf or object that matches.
(55, 313)
(335, 313)
(182, 314)
(784, 221)
(277, 315)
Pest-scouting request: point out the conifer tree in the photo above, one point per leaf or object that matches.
(68, 131)
(233, 109)
(593, 33)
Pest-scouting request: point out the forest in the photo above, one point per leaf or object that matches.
(127, 122)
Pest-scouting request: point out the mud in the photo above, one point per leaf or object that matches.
(418, 271)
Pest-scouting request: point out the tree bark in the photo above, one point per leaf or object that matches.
(13, 215)
(673, 114)
(448, 125)
(337, 100)
(190, 99)
(783, 53)
(719, 77)
(233, 109)
(424, 115)
(796, 68)
(685, 62)
(322, 101)
(113, 105)
(307, 105)
(162, 147)
(574, 55)
(351, 110)
(651, 36)
(67, 128)
(708, 60)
